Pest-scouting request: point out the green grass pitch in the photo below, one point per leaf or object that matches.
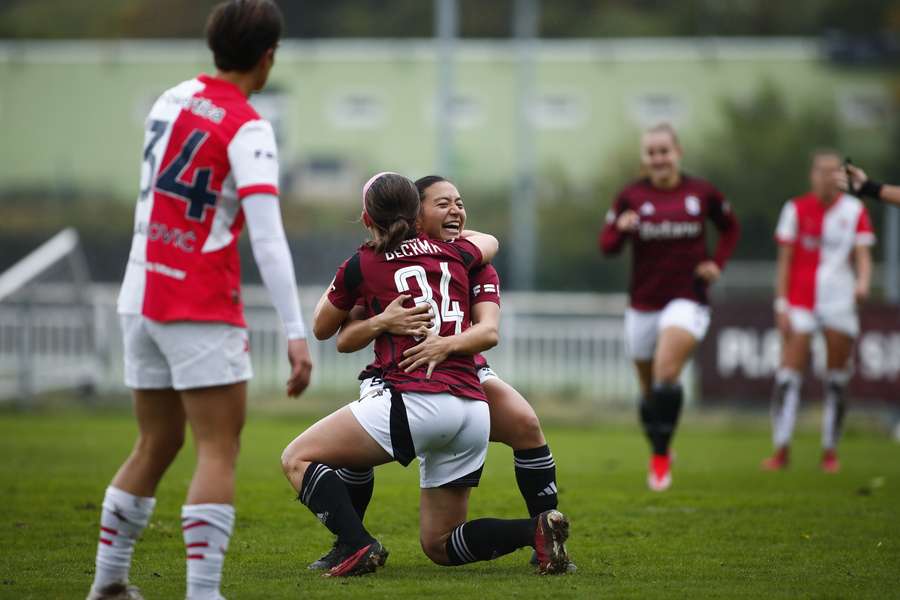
(725, 530)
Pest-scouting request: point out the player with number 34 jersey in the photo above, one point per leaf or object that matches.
(434, 272)
(205, 150)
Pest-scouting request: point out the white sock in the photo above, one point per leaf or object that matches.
(835, 404)
(122, 519)
(785, 400)
(207, 529)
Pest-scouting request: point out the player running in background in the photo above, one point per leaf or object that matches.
(442, 419)
(663, 216)
(210, 162)
(818, 235)
(513, 420)
(854, 180)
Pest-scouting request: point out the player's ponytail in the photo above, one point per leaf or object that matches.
(396, 233)
(390, 207)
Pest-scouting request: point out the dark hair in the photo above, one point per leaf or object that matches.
(392, 203)
(239, 32)
(423, 183)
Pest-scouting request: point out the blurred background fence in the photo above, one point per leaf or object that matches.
(553, 344)
(533, 108)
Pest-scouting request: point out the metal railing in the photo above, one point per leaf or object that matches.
(565, 345)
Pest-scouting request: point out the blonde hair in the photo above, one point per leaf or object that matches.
(665, 127)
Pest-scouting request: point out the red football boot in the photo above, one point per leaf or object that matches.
(778, 461)
(660, 476)
(830, 462)
(550, 537)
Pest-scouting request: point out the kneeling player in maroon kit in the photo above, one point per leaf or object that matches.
(664, 217)
(442, 419)
(513, 421)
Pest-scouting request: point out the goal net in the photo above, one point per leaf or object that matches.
(47, 333)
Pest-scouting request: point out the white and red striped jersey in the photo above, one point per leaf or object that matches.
(823, 238)
(205, 149)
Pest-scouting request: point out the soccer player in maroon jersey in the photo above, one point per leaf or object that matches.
(663, 216)
(513, 421)
(440, 417)
(209, 164)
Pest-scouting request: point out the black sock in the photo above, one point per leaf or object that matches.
(326, 496)
(360, 485)
(486, 539)
(666, 401)
(648, 417)
(536, 476)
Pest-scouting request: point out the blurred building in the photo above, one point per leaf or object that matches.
(72, 112)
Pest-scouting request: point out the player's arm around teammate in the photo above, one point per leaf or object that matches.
(816, 288)
(513, 420)
(185, 341)
(442, 420)
(663, 216)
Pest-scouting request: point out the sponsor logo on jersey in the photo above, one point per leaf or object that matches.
(160, 232)
(647, 208)
(810, 242)
(668, 230)
(487, 288)
(692, 205)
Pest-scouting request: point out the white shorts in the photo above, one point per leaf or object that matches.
(486, 373)
(808, 321)
(642, 327)
(448, 434)
(183, 354)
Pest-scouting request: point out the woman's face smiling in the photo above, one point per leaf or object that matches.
(443, 215)
(661, 157)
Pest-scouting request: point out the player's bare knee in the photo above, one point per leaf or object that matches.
(667, 375)
(528, 431)
(159, 446)
(435, 548)
(293, 463)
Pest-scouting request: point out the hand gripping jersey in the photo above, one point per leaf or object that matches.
(671, 238)
(432, 272)
(205, 149)
(823, 237)
(484, 286)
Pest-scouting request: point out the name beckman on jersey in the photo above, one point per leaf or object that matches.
(668, 230)
(414, 247)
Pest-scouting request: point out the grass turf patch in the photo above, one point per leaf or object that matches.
(724, 530)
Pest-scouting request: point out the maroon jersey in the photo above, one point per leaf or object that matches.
(432, 272)
(671, 238)
(485, 287)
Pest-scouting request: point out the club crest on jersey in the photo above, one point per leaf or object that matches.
(647, 209)
(692, 205)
